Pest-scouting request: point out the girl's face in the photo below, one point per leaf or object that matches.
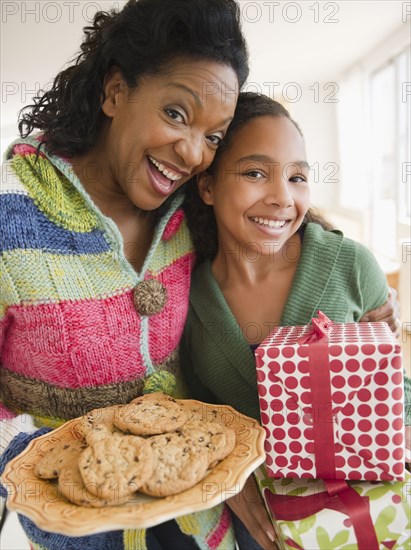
(167, 130)
(260, 189)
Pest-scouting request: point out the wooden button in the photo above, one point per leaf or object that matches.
(150, 297)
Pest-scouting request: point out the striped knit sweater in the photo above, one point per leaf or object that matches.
(75, 329)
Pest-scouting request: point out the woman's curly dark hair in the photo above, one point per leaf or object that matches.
(200, 217)
(141, 39)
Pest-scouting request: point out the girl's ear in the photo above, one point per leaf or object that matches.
(205, 186)
(114, 89)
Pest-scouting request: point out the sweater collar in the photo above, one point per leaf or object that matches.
(320, 248)
(52, 177)
(209, 303)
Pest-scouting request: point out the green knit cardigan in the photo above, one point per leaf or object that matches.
(335, 274)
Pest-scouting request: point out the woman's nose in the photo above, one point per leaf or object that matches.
(190, 150)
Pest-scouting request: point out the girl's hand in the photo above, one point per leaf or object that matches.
(248, 505)
(388, 312)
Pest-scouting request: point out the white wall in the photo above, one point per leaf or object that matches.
(317, 120)
(303, 42)
(37, 39)
(305, 47)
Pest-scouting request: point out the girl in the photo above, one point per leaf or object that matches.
(268, 261)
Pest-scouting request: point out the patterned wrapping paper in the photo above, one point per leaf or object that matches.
(328, 529)
(332, 406)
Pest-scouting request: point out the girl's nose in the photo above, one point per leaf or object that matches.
(279, 194)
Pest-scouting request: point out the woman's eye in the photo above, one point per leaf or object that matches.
(215, 140)
(174, 114)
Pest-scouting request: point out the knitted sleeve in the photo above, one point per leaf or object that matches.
(369, 283)
(196, 388)
(11, 427)
(10, 424)
(6, 292)
(407, 400)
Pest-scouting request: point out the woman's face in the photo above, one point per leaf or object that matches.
(168, 129)
(260, 190)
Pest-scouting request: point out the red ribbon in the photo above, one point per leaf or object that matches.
(318, 362)
(323, 428)
(293, 544)
(389, 544)
(339, 497)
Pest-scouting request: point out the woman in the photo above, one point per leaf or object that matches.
(96, 260)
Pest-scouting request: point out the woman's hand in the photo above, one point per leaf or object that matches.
(388, 312)
(248, 505)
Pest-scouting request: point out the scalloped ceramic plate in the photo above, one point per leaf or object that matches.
(42, 502)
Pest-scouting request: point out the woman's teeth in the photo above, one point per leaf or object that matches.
(269, 223)
(168, 173)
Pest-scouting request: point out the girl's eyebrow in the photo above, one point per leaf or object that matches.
(301, 164)
(269, 160)
(257, 158)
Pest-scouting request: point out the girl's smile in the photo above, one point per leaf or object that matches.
(271, 226)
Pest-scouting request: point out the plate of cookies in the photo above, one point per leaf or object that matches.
(134, 466)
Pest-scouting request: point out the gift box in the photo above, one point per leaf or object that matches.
(331, 400)
(371, 515)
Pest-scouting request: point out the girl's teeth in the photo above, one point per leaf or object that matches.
(170, 175)
(269, 223)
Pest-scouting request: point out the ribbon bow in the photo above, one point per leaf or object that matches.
(338, 496)
(321, 329)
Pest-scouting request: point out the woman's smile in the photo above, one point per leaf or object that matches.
(164, 180)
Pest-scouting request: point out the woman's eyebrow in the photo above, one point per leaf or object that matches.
(186, 88)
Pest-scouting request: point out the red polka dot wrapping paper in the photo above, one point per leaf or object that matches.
(364, 416)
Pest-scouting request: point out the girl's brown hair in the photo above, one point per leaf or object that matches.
(200, 217)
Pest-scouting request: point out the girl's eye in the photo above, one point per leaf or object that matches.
(174, 114)
(256, 174)
(298, 179)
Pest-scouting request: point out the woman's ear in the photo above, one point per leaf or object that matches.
(114, 89)
(205, 186)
